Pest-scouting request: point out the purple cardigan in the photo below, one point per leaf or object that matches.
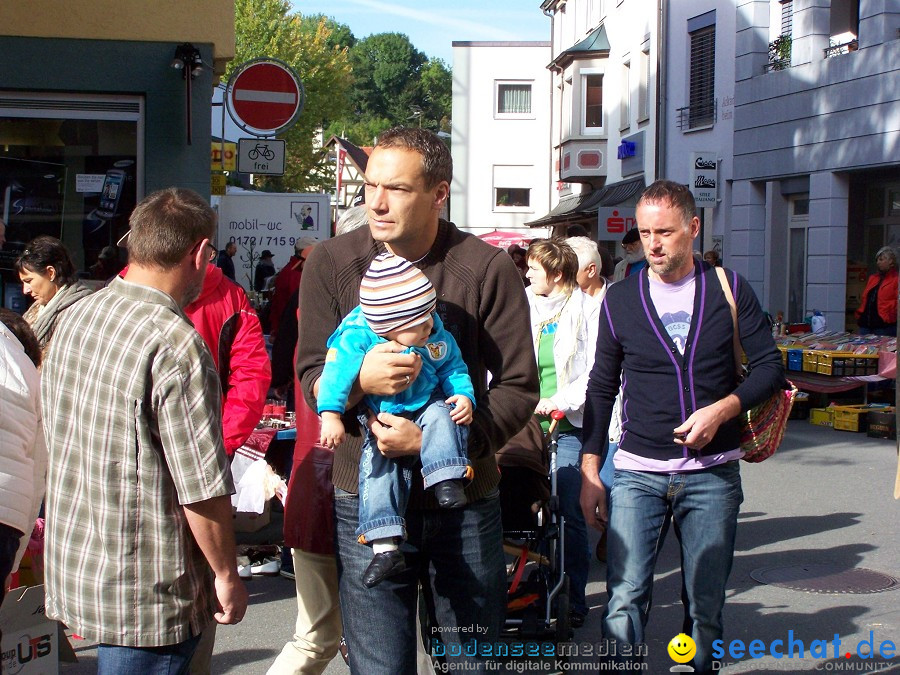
(662, 387)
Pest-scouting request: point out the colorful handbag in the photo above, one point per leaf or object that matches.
(762, 427)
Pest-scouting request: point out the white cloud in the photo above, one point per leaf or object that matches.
(468, 28)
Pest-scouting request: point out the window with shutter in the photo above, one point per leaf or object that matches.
(701, 97)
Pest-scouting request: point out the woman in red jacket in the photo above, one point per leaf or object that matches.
(877, 315)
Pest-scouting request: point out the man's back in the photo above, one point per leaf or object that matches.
(134, 431)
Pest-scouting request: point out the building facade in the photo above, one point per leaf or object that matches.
(605, 67)
(816, 170)
(501, 130)
(100, 104)
(698, 117)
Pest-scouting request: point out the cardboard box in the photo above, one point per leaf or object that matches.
(821, 417)
(852, 417)
(32, 643)
(810, 360)
(882, 424)
(838, 364)
(251, 522)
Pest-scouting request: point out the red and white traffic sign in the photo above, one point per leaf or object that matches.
(265, 96)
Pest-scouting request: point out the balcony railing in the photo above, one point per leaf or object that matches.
(841, 48)
(703, 114)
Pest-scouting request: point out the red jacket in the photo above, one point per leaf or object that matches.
(286, 282)
(887, 296)
(229, 325)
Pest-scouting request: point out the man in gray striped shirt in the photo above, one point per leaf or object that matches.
(139, 541)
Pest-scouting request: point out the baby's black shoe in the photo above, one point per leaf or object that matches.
(450, 494)
(383, 565)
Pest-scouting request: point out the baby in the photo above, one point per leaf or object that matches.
(397, 303)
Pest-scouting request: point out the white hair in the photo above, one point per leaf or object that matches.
(587, 252)
(352, 219)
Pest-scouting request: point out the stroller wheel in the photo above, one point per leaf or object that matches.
(563, 609)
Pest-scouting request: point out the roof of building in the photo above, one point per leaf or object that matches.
(595, 44)
(358, 155)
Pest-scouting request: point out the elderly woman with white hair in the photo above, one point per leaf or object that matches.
(877, 315)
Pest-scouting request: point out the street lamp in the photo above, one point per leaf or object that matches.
(187, 59)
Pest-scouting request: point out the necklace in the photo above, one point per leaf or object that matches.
(411, 262)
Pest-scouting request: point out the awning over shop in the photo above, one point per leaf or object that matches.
(585, 205)
(595, 44)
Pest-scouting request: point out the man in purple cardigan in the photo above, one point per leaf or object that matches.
(666, 335)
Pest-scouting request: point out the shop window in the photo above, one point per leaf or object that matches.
(70, 168)
(797, 246)
(514, 99)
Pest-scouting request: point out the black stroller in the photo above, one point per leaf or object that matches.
(538, 599)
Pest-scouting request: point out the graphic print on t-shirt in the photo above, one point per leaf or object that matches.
(678, 325)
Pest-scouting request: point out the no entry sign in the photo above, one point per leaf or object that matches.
(264, 96)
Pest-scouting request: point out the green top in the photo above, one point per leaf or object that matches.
(547, 373)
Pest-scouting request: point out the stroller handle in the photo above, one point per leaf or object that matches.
(555, 416)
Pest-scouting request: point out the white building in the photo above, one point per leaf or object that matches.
(699, 107)
(500, 135)
(605, 68)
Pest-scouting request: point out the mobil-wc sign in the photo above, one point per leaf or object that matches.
(705, 178)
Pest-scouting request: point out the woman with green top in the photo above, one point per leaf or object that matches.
(564, 330)
(48, 275)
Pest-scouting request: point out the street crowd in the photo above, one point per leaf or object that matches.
(417, 353)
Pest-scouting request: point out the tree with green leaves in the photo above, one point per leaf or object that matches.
(315, 48)
(394, 84)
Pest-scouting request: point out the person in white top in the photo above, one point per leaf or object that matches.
(591, 281)
(590, 267)
(564, 323)
(23, 454)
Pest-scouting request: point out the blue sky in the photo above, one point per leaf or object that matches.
(432, 25)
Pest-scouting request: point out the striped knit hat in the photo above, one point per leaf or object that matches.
(393, 294)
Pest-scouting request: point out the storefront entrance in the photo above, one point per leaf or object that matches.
(70, 167)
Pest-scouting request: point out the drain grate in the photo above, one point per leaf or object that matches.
(825, 578)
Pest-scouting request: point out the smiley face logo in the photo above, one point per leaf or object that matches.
(682, 648)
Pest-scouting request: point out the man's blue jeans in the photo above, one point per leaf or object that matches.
(568, 465)
(384, 483)
(167, 660)
(704, 506)
(458, 555)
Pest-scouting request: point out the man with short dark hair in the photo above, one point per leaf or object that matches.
(225, 262)
(481, 302)
(666, 337)
(139, 541)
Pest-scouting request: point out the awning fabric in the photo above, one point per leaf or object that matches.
(586, 204)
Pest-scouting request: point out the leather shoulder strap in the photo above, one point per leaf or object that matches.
(735, 333)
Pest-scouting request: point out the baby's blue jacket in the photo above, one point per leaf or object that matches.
(442, 364)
